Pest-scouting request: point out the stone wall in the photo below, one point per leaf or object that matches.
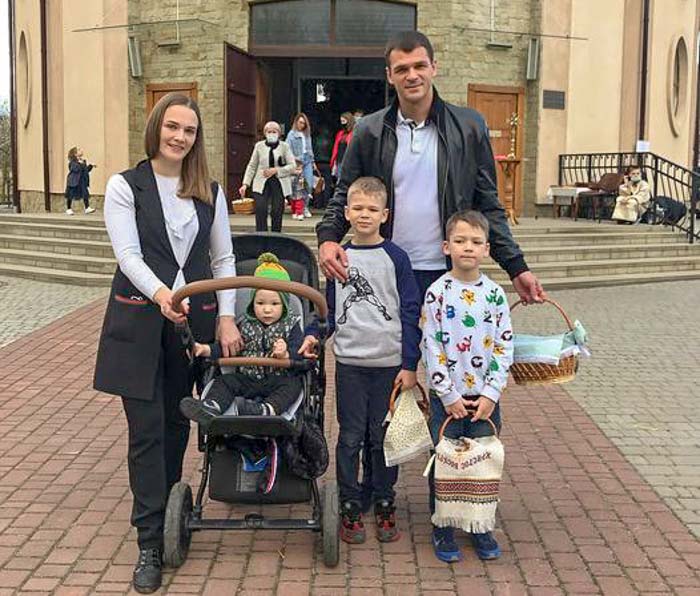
(462, 54)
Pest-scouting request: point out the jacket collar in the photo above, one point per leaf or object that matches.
(436, 114)
(144, 178)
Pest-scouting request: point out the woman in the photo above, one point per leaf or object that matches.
(270, 169)
(78, 180)
(168, 225)
(634, 197)
(342, 140)
(299, 141)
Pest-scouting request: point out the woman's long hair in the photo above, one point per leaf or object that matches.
(194, 176)
(72, 153)
(350, 118)
(307, 130)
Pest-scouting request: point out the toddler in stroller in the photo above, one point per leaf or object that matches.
(267, 329)
(276, 454)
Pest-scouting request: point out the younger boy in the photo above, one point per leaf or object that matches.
(374, 315)
(268, 330)
(467, 350)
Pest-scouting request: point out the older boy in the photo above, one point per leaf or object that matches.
(467, 350)
(374, 317)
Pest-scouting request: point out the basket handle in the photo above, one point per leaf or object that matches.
(450, 418)
(423, 404)
(553, 303)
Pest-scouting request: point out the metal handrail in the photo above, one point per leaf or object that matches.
(665, 178)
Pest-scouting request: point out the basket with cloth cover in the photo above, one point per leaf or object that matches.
(547, 359)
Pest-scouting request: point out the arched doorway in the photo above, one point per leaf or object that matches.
(321, 57)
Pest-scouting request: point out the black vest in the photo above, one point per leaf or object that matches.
(130, 343)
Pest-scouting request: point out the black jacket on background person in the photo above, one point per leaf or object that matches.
(466, 175)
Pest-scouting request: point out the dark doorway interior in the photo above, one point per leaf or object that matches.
(323, 88)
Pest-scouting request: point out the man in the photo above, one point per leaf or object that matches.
(435, 159)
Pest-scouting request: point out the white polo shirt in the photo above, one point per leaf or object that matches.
(417, 226)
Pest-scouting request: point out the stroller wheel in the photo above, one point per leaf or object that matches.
(330, 516)
(176, 533)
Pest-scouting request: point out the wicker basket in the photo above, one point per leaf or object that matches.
(244, 207)
(527, 373)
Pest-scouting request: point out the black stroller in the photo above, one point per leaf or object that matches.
(223, 469)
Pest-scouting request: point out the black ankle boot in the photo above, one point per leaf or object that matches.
(148, 575)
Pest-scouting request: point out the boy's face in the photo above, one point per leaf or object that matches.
(365, 213)
(466, 246)
(267, 306)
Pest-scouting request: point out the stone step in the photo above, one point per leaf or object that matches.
(61, 276)
(602, 267)
(596, 252)
(61, 262)
(67, 246)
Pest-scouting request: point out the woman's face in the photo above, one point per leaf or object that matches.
(301, 123)
(177, 133)
(343, 122)
(79, 154)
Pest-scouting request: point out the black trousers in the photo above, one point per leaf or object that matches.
(271, 200)
(85, 200)
(424, 279)
(158, 435)
(362, 395)
(280, 391)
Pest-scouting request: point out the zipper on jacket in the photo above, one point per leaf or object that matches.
(441, 201)
(392, 196)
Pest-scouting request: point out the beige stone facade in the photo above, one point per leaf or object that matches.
(94, 102)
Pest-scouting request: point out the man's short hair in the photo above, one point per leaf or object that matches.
(368, 185)
(473, 218)
(407, 41)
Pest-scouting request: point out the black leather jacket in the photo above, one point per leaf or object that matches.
(466, 175)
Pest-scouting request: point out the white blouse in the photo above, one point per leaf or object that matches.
(181, 224)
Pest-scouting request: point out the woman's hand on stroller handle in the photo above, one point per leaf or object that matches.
(177, 313)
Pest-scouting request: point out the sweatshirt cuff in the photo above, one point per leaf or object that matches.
(450, 398)
(516, 266)
(493, 394)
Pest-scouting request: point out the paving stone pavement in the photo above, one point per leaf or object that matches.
(26, 305)
(641, 385)
(575, 517)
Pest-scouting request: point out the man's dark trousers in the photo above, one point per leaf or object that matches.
(362, 395)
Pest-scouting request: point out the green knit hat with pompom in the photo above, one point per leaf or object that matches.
(269, 266)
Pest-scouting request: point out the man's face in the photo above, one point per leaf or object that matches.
(411, 73)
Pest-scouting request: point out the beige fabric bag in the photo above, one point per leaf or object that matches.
(408, 434)
(467, 481)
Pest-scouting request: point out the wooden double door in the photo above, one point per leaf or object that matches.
(497, 104)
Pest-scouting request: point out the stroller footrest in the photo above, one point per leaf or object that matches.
(254, 426)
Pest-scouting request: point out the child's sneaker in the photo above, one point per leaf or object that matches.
(384, 514)
(486, 546)
(444, 545)
(250, 407)
(201, 411)
(352, 530)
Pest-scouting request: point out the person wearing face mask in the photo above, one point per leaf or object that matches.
(634, 197)
(270, 172)
(342, 140)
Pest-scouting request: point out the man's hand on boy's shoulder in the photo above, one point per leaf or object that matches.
(483, 405)
(406, 378)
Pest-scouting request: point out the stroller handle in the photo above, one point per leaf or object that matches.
(248, 281)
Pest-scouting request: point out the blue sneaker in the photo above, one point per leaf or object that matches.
(486, 546)
(444, 544)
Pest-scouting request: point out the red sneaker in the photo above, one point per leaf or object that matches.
(352, 530)
(385, 516)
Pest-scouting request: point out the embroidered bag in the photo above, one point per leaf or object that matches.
(467, 478)
(408, 434)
